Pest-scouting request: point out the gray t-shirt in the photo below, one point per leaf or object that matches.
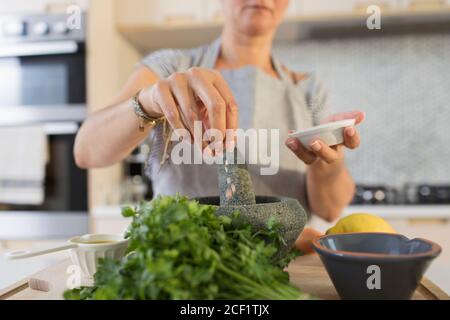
(264, 102)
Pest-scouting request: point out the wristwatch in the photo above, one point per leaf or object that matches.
(144, 118)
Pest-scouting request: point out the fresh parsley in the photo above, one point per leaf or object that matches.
(180, 249)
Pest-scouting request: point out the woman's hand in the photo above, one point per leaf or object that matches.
(319, 150)
(195, 95)
(304, 241)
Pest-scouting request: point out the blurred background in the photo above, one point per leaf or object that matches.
(61, 59)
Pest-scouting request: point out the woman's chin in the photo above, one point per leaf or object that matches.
(257, 28)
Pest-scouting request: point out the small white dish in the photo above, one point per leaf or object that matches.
(330, 133)
(85, 251)
(87, 254)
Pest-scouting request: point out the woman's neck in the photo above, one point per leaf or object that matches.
(239, 50)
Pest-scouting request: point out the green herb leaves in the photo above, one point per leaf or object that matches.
(179, 249)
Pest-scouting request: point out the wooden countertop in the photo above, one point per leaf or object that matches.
(306, 272)
(309, 274)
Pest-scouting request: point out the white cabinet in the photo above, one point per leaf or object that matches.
(158, 12)
(154, 24)
(345, 7)
(423, 4)
(213, 10)
(176, 10)
(294, 7)
(108, 219)
(118, 225)
(144, 12)
(319, 7)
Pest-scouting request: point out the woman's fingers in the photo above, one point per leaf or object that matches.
(162, 95)
(300, 151)
(357, 115)
(231, 105)
(231, 111)
(324, 152)
(197, 95)
(351, 138)
(184, 98)
(203, 87)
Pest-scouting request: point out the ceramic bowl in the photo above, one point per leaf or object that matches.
(87, 254)
(331, 133)
(375, 265)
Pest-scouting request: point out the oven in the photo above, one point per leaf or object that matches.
(43, 83)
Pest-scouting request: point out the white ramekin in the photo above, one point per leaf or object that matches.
(86, 255)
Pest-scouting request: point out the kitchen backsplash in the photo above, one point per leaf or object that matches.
(403, 85)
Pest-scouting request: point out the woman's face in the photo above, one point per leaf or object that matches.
(254, 17)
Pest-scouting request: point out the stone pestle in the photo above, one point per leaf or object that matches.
(235, 183)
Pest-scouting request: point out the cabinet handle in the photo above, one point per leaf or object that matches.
(38, 48)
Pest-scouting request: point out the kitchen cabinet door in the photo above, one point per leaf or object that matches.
(144, 12)
(324, 7)
(415, 5)
(294, 8)
(118, 225)
(176, 10)
(213, 10)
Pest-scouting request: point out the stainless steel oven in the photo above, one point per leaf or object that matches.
(43, 81)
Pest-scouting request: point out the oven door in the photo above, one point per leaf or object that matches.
(42, 81)
(45, 83)
(63, 213)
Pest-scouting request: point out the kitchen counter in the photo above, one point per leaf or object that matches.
(384, 211)
(12, 271)
(305, 272)
(427, 221)
(402, 211)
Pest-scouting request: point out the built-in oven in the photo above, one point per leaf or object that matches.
(43, 83)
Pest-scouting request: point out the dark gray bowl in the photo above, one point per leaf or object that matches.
(375, 265)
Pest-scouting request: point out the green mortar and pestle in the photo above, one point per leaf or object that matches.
(237, 194)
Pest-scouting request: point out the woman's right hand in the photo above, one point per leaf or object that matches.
(195, 95)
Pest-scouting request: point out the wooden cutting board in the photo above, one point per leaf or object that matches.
(306, 272)
(309, 274)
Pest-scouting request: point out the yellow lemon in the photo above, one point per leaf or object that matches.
(361, 222)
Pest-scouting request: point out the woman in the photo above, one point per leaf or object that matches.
(232, 83)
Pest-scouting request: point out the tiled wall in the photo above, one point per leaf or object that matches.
(403, 84)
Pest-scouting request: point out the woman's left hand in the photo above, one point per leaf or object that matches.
(320, 150)
(305, 239)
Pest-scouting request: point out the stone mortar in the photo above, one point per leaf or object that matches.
(236, 194)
